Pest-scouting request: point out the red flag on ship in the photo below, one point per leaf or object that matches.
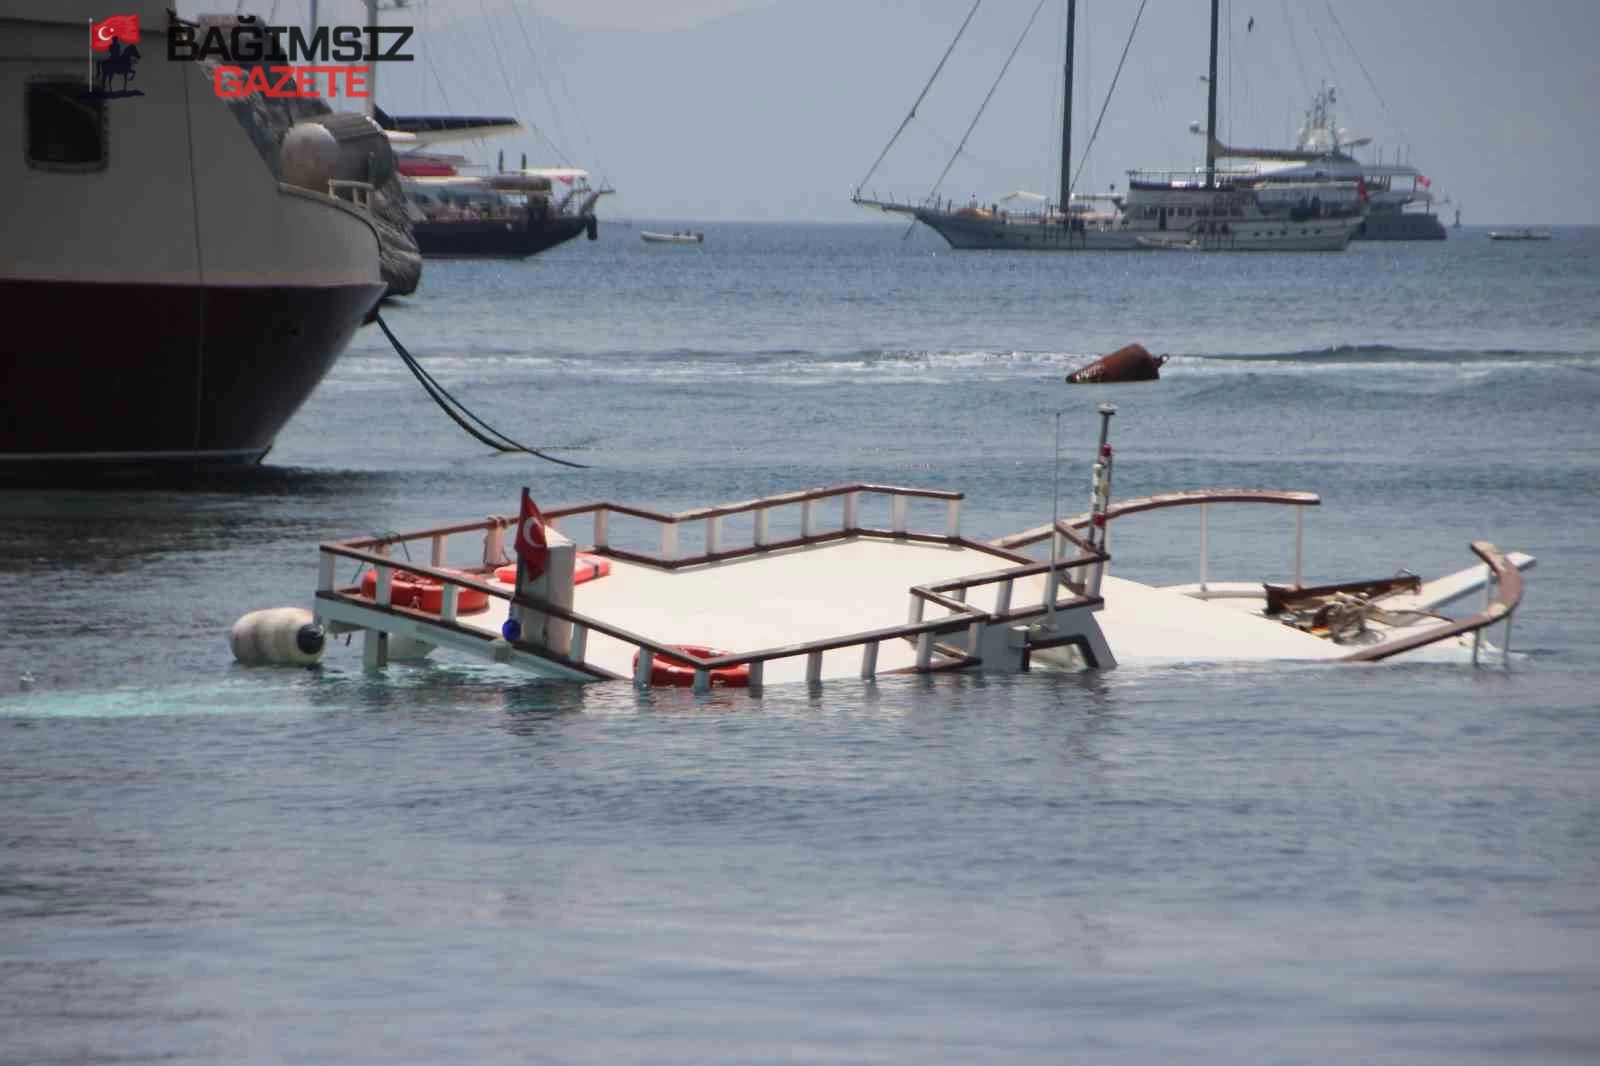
(1424, 181)
(124, 28)
(532, 548)
(1361, 189)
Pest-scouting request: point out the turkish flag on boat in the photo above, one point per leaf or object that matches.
(1361, 189)
(124, 28)
(1424, 181)
(532, 548)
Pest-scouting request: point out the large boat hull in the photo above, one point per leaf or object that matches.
(122, 374)
(1402, 226)
(497, 239)
(966, 232)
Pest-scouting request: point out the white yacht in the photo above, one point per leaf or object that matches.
(169, 297)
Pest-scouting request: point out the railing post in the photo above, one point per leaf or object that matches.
(974, 637)
(713, 534)
(761, 536)
(914, 614)
(952, 519)
(852, 511)
(383, 593)
(580, 642)
(1299, 541)
(447, 609)
(642, 666)
(494, 550)
(808, 518)
(1002, 599)
(437, 556)
(1204, 508)
(602, 527)
(898, 514)
(925, 650)
(869, 660)
(814, 668)
(702, 680)
(669, 542)
(758, 670)
(326, 575)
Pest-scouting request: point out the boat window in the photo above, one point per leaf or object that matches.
(66, 126)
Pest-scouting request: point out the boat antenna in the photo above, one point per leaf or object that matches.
(987, 97)
(913, 112)
(1066, 109)
(1211, 104)
(1055, 520)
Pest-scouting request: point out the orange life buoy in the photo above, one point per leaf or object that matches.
(585, 567)
(422, 593)
(676, 672)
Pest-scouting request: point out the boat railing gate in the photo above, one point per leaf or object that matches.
(1078, 573)
(1501, 595)
(358, 193)
(1203, 499)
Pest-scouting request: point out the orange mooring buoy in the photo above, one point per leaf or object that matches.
(1132, 363)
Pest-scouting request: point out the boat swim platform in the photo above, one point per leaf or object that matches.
(848, 600)
(837, 598)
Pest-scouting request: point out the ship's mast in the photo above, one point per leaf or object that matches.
(1066, 111)
(1211, 104)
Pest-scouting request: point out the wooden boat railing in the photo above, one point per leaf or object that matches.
(1201, 498)
(1501, 595)
(950, 595)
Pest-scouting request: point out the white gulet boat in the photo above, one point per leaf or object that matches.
(811, 590)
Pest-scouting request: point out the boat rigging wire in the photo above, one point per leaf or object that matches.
(494, 45)
(913, 112)
(1363, 67)
(1083, 160)
(449, 405)
(989, 96)
(1294, 46)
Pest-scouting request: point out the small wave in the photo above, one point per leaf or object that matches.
(1385, 353)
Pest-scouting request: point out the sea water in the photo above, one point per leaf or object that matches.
(207, 863)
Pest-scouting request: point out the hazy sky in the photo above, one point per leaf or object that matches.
(775, 109)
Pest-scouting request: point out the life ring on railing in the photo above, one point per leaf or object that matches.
(585, 567)
(681, 674)
(422, 593)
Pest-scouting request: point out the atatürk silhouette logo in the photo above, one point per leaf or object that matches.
(118, 37)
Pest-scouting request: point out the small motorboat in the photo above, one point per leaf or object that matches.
(1519, 235)
(679, 237)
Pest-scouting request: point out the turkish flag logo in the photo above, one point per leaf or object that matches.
(124, 28)
(532, 548)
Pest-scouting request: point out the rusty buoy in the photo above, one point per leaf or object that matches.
(1132, 363)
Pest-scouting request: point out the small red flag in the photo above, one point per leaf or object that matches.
(1422, 180)
(124, 28)
(1361, 189)
(532, 548)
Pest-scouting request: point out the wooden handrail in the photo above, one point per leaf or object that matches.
(1498, 609)
(746, 506)
(1185, 498)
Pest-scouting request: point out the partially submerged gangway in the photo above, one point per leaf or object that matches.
(835, 599)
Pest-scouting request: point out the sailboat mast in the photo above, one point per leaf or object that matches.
(1066, 111)
(1211, 104)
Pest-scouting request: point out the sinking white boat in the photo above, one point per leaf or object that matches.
(843, 582)
(682, 237)
(1519, 235)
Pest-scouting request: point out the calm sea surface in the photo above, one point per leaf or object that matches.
(204, 863)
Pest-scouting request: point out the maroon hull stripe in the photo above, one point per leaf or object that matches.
(164, 371)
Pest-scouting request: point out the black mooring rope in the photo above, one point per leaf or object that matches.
(450, 405)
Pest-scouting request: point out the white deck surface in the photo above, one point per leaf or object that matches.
(1143, 623)
(779, 598)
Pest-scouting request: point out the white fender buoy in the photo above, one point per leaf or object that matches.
(286, 636)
